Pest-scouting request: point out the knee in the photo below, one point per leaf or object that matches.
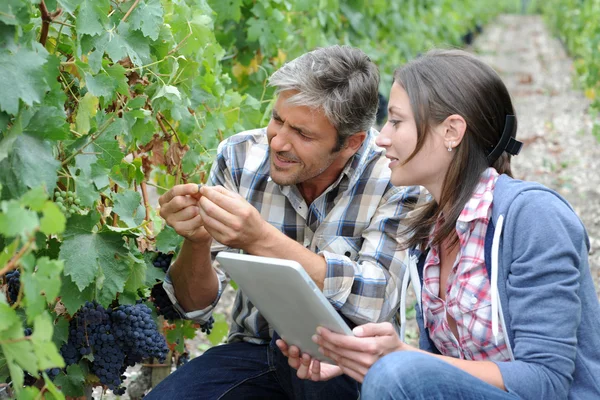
(394, 375)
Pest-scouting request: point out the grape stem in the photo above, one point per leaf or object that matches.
(134, 5)
(13, 263)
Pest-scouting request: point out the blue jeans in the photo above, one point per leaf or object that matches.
(247, 371)
(418, 376)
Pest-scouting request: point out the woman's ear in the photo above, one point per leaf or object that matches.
(455, 127)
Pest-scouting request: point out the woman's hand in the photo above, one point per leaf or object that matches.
(354, 355)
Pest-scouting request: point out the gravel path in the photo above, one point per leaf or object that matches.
(560, 150)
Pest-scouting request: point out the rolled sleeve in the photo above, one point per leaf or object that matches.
(200, 316)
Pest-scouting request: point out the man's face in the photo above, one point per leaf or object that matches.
(301, 143)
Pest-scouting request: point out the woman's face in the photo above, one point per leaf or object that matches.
(399, 138)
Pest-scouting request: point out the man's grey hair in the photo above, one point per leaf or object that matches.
(342, 81)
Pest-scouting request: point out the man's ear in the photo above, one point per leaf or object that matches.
(354, 142)
(455, 127)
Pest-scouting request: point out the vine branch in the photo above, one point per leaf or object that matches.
(169, 125)
(145, 199)
(12, 264)
(134, 5)
(47, 18)
(94, 138)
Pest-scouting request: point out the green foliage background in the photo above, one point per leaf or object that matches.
(105, 98)
(577, 23)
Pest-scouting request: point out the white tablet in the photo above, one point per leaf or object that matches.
(286, 296)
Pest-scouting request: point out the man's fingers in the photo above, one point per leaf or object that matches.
(178, 190)
(189, 227)
(206, 190)
(304, 369)
(177, 204)
(315, 371)
(183, 215)
(282, 346)
(217, 217)
(223, 198)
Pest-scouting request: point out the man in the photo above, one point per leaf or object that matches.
(310, 187)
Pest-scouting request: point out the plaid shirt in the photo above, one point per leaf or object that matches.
(354, 225)
(468, 299)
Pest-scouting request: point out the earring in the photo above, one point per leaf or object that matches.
(450, 146)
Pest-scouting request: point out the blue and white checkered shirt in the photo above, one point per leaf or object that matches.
(354, 225)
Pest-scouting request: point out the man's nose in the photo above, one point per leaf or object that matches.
(280, 140)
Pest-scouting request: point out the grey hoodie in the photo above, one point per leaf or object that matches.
(542, 293)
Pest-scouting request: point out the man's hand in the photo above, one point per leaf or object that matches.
(307, 367)
(230, 219)
(179, 208)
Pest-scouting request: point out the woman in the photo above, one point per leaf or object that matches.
(506, 304)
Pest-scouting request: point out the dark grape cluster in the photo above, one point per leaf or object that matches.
(68, 202)
(117, 338)
(207, 327)
(183, 359)
(163, 304)
(165, 307)
(163, 261)
(90, 332)
(14, 285)
(137, 333)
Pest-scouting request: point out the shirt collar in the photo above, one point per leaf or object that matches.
(477, 207)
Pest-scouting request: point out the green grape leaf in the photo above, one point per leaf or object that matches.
(30, 164)
(227, 9)
(220, 328)
(86, 253)
(61, 332)
(73, 298)
(45, 350)
(84, 183)
(123, 42)
(35, 199)
(88, 107)
(29, 393)
(14, 12)
(108, 83)
(18, 350)
(110, 152)
(17, 221)
(152, 275)
(8, 316)
(128, 206)
(137, 277)
(52, 389)
(41, 286)
(147, 17)
(48, 123)
(53, 221)
(22, 77)
(93, 17)
(72, 383)
(100, 85)
(168, 240)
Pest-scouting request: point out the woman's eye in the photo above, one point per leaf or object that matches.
(394, 122)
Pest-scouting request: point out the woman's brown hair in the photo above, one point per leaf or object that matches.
(441, 83)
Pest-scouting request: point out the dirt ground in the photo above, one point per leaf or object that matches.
(554, 123)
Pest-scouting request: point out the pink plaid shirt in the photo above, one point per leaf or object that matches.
(468, 299)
